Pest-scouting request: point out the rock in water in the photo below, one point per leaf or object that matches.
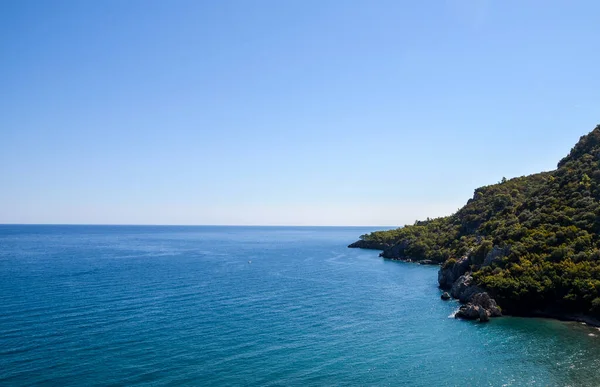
(468, 312)
(483, 315)
(481, 308)
(488, 303)
(445, 296)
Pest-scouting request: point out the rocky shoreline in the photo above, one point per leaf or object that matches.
(388, 252)
(369, 245)
(477, 303)
(454, 277)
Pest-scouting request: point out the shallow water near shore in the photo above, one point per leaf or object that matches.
(138, 305)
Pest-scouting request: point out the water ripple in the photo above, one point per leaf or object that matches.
(181, 306)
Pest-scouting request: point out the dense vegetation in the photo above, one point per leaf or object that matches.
(544, 230)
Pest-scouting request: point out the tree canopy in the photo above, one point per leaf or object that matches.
(543, 228)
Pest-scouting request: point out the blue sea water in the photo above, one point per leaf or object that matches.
(145, 305)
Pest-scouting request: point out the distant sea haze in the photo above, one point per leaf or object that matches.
(269, 306)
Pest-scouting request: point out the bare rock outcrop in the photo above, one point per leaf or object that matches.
(449, 273)
(481, 307)
(464, 289)
(488, 303)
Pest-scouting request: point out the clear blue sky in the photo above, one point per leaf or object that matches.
(305, 112)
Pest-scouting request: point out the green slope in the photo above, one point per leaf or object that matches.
(533, 242)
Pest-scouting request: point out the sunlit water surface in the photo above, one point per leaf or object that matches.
(125, 305)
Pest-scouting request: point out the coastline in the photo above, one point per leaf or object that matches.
(581, 318)
(554, 315)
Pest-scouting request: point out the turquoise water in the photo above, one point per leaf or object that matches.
(103, 305)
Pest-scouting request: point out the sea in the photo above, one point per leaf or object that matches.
(253, 306)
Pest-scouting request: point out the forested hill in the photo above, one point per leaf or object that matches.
(532, 242)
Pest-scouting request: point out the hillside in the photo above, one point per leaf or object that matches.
(533, 242)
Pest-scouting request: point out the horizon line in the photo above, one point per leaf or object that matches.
(187, 225)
